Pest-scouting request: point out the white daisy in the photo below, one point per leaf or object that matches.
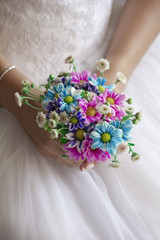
(53, 115)
(135, 157)
(52, 123)
(69, 59)
(129, 109)
(64, 117)
(104, 109)
(91, 95)
(139, 116)
(121, 77)
(25, 82)
(54, 134)
(115, 164)
(18, 99)
(41, 119)
(122, 147)
(102, 64)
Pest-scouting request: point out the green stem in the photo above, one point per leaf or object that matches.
(50, 81)
(40, 109)
(117, 82)
(34, 99)
(33, 95)
(59, 130)
(74, 67)
(115, 158)
(130, 149)
(102, 74)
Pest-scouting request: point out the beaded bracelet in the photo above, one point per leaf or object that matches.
(5, 72)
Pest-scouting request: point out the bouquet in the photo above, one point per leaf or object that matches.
(92, 121)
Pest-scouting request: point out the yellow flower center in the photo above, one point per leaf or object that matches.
(105, 137)
(68, 99)
(110, 100)
(109, 115)
(79, 134)
(91, 111)
(74, 120)
(81, 81)
(56, 95)
(101, 89)
(93, 149)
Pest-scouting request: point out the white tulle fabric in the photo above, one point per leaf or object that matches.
(43, 200)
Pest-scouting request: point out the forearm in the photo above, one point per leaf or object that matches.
(136, 29)
(10, 84)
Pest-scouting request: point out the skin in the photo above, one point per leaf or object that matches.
(136, 29)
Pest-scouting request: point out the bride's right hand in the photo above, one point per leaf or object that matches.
(49, 147)
(11, 83)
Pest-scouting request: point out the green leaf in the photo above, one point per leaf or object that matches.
(45, 126)
(125, 118)
(63, 140)
(131, 144)
(64, 131)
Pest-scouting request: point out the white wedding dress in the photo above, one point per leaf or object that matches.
(43, 200)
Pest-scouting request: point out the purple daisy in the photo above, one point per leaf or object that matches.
(76, 137)
(53, 106)
(90, 110)
(76, 121)
(91, 154)
(90, 87)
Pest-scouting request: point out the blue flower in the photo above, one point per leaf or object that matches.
(69, 99)
(51, 94)
(100, 82)
(58, 88)
(126, 128)
(68, 83)
(106, 137)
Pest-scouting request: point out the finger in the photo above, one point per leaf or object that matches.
(87, 165)
(57, 154)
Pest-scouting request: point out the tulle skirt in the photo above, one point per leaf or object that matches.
(43, 200)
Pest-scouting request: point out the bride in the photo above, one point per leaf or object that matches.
(42, 195)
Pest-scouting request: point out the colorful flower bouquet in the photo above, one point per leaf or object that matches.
(91, 120)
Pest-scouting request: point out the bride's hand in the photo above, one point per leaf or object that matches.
(49, 147)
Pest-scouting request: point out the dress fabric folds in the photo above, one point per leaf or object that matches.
(41, 199)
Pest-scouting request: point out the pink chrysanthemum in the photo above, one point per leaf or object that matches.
(115, 113)
(73, 153)
(115, 99)
(91, 154)
(90, 110)
(81, 78)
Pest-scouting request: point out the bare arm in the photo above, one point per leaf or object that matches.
(10, 84)
(137, 27)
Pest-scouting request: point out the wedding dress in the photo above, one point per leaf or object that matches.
(41, 199)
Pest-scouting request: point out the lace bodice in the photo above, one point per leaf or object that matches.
(37, 35)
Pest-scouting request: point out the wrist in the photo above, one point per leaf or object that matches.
(11, 83)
